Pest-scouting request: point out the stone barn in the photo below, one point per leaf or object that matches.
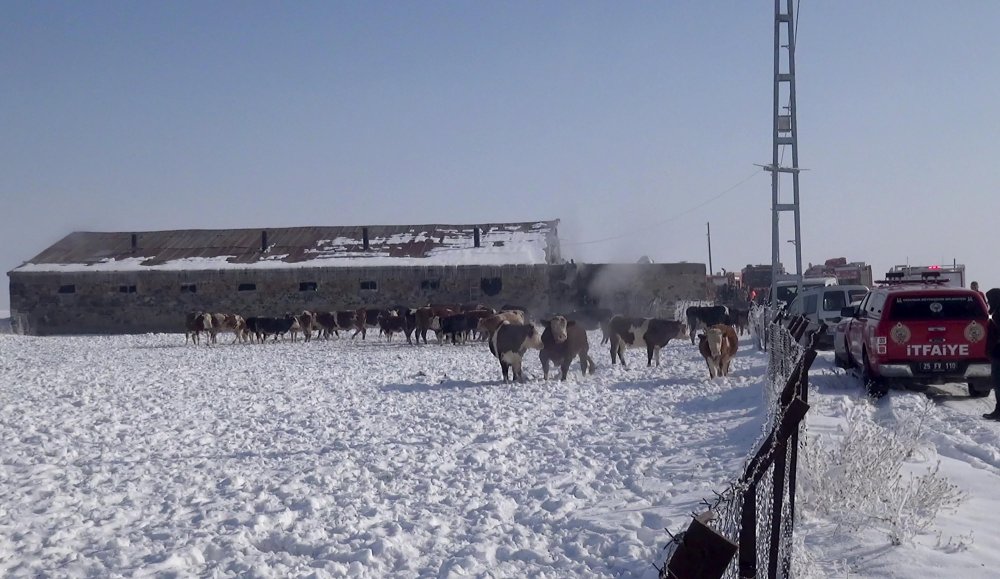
(110, 283)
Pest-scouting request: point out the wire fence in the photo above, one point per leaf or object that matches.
(753, 518)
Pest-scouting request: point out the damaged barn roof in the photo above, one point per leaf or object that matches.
(343, 246)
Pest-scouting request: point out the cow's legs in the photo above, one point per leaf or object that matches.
(620, 349)
(545, 365)
(565, 368)
(649, 355)
(504, 366)
(713, 367)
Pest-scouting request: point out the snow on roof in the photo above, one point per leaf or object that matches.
(301, 247)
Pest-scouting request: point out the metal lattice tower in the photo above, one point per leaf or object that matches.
(785, 134)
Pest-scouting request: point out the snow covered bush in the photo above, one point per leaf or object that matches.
(857, 480)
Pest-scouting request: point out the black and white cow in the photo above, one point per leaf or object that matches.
(650, 333)
(705, 317)
(510, 342)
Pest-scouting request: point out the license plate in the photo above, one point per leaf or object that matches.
(938, 367)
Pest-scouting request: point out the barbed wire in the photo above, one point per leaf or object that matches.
(726, 507)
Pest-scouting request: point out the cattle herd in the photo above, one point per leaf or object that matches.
(510, 332)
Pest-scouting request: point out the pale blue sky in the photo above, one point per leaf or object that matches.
(612, 116)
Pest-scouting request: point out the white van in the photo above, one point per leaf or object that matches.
(824, 304)
(787, 288)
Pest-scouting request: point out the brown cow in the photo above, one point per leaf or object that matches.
(718, 346)
(651, 333)
(307, 321)
(561, 342)
(509, 343)
(194, 324)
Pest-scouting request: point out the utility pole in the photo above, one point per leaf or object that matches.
(710, 270)
(784, 133)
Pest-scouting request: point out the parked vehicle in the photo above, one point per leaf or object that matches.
(824, 305)
(915, 334)
(954, 274)
(786, 289)
(841, 357)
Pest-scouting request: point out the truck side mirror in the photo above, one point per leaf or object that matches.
(848, 312)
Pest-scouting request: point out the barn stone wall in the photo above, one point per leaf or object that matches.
(156, 301)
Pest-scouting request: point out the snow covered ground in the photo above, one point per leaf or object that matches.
(140, 456)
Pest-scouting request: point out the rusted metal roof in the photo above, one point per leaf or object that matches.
(297, 244)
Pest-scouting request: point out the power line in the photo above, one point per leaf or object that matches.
(663, 221)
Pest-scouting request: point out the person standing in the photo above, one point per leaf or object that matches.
(993, 349)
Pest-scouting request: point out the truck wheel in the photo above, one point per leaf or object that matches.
(979, 387)
(876, 386)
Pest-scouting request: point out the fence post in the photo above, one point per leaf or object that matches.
(772, 447)
(777, 503)
(747, 565)
(802, 392)
(703, 553)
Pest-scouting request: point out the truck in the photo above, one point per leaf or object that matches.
(756, 279)
(847, 273)
(954, 274)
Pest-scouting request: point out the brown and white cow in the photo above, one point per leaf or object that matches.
(194, 324)
(705, 317)
(364, 318)
(426, 320)
(650, 333)
(490, 324)
(509, 343)
(306, 323)
(561, 342)
(229, 323)
(718, 345)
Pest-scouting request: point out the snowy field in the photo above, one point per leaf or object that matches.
(140, 456)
